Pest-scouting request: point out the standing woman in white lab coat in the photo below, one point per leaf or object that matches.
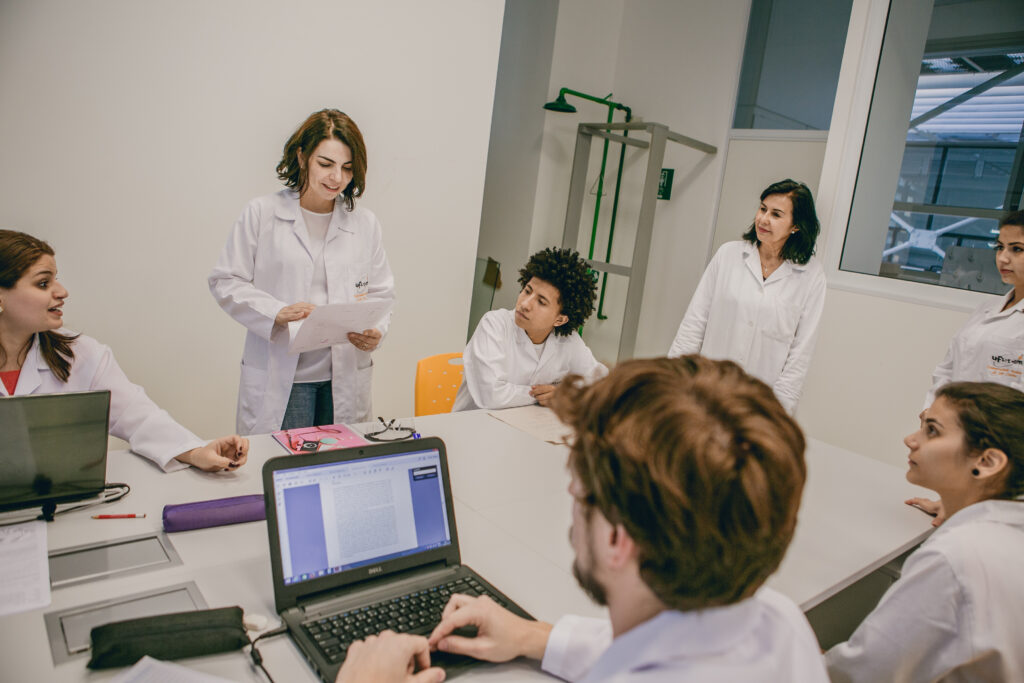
(39, 356)
(760, 299)
(990, 345)
(955, 613)
(302, 247)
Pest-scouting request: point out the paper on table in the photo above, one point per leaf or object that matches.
(24, 568)
(330, 324)
(536, 421)
(149, 670)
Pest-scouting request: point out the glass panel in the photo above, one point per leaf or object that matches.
(960, 166)
(791, 64)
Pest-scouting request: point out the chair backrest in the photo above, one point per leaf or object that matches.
(437, 381)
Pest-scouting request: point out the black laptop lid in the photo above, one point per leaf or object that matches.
(53, 448)
(340, 517)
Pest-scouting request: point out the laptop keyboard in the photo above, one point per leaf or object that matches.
(418, 612)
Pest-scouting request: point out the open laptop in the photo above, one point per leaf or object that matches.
(363, 540)
(53, 449)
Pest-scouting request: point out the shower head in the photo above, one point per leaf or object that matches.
(559, 104)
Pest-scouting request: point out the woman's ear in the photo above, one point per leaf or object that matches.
(991, 463)
(561, 320)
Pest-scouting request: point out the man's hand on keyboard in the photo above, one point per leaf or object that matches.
(501, 635)
(390, 658)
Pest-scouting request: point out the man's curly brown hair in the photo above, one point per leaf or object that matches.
(571, 276)
(701, 465)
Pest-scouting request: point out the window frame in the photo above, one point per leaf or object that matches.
(843, 151)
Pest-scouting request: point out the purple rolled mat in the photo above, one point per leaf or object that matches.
(217, 512)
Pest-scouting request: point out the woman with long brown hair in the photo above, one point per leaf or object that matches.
(39, 356)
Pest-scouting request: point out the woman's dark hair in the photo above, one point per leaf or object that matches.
(1013, 218)
(18, 252)
(800, 246)
(321, 125)
(991, 416)
(564, 270)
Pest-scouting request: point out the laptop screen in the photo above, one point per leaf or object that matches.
(342, 515)
(53, 448)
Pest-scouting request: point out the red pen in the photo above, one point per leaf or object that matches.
(132, 516)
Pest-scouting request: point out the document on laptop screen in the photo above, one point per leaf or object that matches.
(340, 516)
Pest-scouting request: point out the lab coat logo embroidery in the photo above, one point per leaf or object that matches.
(1003, 366)
(362, 287)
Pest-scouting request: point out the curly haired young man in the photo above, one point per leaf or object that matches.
(516, 357)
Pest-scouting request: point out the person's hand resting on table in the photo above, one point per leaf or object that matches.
(220, 455)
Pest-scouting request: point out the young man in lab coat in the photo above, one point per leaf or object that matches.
(686, 481)
(516, 357)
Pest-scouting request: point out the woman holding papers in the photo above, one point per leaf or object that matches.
(38, 356)
(289, 252)
(955, 612)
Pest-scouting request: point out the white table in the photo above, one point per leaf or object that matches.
(513, 515)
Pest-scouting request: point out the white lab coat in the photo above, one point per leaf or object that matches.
(988, 348)
(267, 264)
(762, 638)
(500, 363)
(957, 611)
(134, 418)
(766, 326)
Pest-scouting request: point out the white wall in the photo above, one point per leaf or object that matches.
(871, 369)
(673, 62)
(878, 340)
(754, 160)
(513, 157)
(134, 133)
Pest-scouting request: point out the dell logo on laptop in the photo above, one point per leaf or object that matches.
(375, 570)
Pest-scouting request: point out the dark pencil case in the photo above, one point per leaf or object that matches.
(168, 636)
(217, 512)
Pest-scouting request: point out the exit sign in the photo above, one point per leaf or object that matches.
(665, 183)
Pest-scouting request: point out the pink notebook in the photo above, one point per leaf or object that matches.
(323, 438)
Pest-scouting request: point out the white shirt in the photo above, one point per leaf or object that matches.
(267, 264)
(500, 363)
(766, 326)
(988, 348)
(134, 418)
(763, 638)
(315, 366)
(957, 611)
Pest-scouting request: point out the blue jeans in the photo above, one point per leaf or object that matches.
(310, 404)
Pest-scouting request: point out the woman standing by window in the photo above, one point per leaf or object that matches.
(990, 345)
(760, 299)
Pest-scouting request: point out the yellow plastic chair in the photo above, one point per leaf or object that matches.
(437, 381)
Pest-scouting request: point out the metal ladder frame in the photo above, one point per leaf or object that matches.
(637, 271)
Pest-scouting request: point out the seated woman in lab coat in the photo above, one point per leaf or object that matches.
(38, 356)
(516, 358)
(291, 251)
(955, 613)
(760, 299)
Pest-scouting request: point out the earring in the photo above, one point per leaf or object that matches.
(975, 471)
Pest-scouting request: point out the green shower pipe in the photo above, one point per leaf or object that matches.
(561, 105)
